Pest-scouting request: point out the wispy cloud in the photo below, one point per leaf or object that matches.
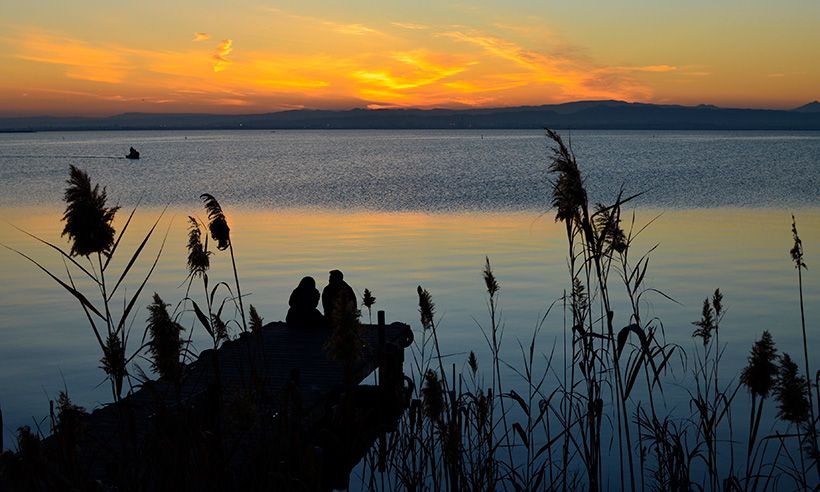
(222, 51)
(645, 68)
(784, 75)
(564, 76)
(201, 36)
(346, 28)
(82, 61)
(351, 29)
(410, 25)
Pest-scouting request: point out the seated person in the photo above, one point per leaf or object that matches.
(303, 302)
(338, 295)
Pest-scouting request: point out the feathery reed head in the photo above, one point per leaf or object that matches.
(706, 324)
(489, 278)
(368, 299)
(472, 361)
(761, 373)
(608, 227)
(797, 250)
(217, 224)
(717, 304)
(426, 308)
(87, 219)
(568, 193)
(791, 392)
(256, 321)
(113, 360)
(579, 301)
(165, 343)
(198, 255)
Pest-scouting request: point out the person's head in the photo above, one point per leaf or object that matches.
(336, 276)
(307, 283)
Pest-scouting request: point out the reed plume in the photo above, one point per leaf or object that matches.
(432, 396)
(256, 321)
(472, 362)
(608, 226)
(797, 249)
(490, 281)
(790, 392)
(113, 362)
(198, 255)
(165, 343)
(87, 219)
(706, 323)
(427, 308)
(217, 224)
(368, 300)
(760, 375)
(568, 194)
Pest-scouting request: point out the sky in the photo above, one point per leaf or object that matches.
(94, 57)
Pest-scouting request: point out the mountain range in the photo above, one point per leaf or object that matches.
(574, 115)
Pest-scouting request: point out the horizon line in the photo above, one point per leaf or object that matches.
(372, 107)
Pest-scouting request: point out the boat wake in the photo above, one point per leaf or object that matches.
(61, 157)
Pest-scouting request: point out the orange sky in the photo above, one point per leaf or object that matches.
(95, 58)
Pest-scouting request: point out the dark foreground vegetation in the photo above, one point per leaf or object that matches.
(588, 414)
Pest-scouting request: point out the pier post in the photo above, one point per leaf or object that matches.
(380, 354)
(382, 361)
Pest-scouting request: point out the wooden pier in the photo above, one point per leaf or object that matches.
(280, 415)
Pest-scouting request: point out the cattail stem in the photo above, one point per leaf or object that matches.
(238, 291)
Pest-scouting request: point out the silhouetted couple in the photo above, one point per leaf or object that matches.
(338, 299)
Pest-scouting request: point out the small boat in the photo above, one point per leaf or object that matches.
(133, 154)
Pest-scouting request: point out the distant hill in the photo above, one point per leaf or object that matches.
(612, 115)
(812, 107)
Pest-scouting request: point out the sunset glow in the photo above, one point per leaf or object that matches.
(255, 58)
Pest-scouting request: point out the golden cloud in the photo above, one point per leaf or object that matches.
(222, 51)
(334, 64)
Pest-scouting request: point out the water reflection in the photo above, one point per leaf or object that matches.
(47, 343)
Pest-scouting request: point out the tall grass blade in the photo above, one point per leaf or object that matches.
(74, 292)
(137, 253)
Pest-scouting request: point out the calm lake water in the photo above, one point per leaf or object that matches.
(397, 209)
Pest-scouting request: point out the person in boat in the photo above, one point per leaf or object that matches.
(303, 302)
(338, 298)
(133, 154)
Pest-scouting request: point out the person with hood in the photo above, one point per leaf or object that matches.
(303, 302)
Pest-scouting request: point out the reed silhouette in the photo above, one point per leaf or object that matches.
(89, 227)
(463, 433)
